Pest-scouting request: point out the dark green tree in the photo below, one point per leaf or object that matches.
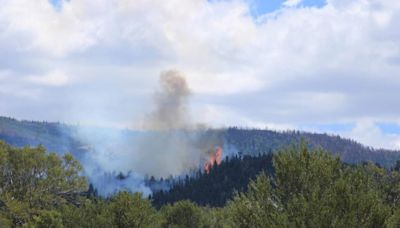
(132, 210)
(183, 214)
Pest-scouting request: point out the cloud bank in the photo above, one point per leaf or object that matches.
(96, 62)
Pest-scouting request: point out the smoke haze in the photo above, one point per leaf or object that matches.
(170, 144)
(173, 145)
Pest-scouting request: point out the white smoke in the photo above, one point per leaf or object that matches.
(170, 145)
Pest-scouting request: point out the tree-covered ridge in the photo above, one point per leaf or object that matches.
(256, 141)
(308, 188)
(53, 136)
(61, 138)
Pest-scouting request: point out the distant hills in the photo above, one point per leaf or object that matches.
(254, 142)
(55, 137)
(61, 138)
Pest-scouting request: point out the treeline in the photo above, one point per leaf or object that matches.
(56, 137)
(257, 141)
(62, 137)
(308, 188)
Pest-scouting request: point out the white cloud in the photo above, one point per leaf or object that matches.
(54, 78)
(295, 66)
(4, 75)
(215, 83)
(292, 3)
(222, 116)
(370, 134)
(38, 27)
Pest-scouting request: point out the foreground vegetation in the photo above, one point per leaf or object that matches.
(307, 189)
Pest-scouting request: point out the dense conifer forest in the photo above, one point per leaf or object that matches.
(218, 186)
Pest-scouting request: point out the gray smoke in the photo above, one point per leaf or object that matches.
(171, 103)
(107, 153)
(171, 144)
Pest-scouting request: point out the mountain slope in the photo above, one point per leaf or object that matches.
(254, 141)
(61, 138)
(55, 137)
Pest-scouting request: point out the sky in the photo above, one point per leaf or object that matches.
(315, 65)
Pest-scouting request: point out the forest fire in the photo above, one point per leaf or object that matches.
(214, 158)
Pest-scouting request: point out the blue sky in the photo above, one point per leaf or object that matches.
(261, 7)
(327, 66)
(257, 7)
(56, 3)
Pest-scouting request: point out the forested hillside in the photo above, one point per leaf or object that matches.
(62, 138)
(308, 188)
(218, 186)
(255, 141)
(53, 136)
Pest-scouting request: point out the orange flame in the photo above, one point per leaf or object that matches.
(214, 158)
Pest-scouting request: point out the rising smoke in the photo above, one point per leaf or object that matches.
(170, 145)
(173, 145)
(171, 103)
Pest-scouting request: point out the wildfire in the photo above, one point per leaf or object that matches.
(214, 158)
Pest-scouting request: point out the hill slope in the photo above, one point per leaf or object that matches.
(61, 138)
(55, 137)
(254, 142)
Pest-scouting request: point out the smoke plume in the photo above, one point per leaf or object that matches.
(171, 103)
(173, 145)
(170, 145)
